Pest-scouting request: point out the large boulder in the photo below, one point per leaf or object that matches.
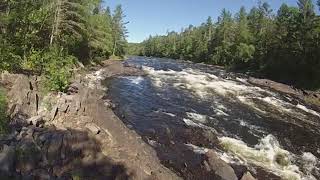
(220, 168)
(247, 176)
(23, 96)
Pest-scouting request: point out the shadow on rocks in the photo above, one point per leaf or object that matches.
(48, 153)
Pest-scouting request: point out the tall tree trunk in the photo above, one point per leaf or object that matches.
(114, 48)
(56, 22)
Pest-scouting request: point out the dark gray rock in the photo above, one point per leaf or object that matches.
(41, 174)
(73, 88)
(7, 159)
(54, 148)
(28, 156)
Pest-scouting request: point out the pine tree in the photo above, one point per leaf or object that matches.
(69, 18)
(244, 49)
(306, 8)
(119, 32)
(99, 33)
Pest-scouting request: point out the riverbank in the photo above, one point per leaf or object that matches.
(74, 132)
(312, 97)
(72, 135)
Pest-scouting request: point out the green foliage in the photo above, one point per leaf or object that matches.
(119, 32)
(47, 36)
(283, 46)
(244, 52)
(9, 61)
(135, 49)
(3, 113)
(57, 69)
(34, 61)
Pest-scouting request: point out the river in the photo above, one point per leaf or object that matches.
(183, 109)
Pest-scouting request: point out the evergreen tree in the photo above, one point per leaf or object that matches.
(306, 8)
(69, 19)
(244, 49)
(119, 31)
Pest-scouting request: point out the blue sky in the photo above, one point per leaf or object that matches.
(151, 17)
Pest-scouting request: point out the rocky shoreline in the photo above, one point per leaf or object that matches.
(311, 97)
(73, 135)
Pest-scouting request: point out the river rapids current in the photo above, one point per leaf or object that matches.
(183, 109)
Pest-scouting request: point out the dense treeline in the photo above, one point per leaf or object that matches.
(49, 37)
(284, 45)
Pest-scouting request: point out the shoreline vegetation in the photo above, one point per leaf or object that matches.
(281, 45)
(51, 38)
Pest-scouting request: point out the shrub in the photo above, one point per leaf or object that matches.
(9, 60)
(57, 69)
(35, 61)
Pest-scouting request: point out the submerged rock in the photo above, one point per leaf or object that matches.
(282, 159)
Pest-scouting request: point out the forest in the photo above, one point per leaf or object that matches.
(282, 45)
(51, 37)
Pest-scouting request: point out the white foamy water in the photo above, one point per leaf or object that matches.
(199, 82)
(269, 155)
(302, 107)
(170, 114)
(192, 123)
(197, 149)
(265, 103)
(133, 79)
(197, 117)
(204, 84)
(220, 112)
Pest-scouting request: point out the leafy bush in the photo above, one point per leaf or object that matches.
(9, 60)
(35, 61)
(57, 69)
